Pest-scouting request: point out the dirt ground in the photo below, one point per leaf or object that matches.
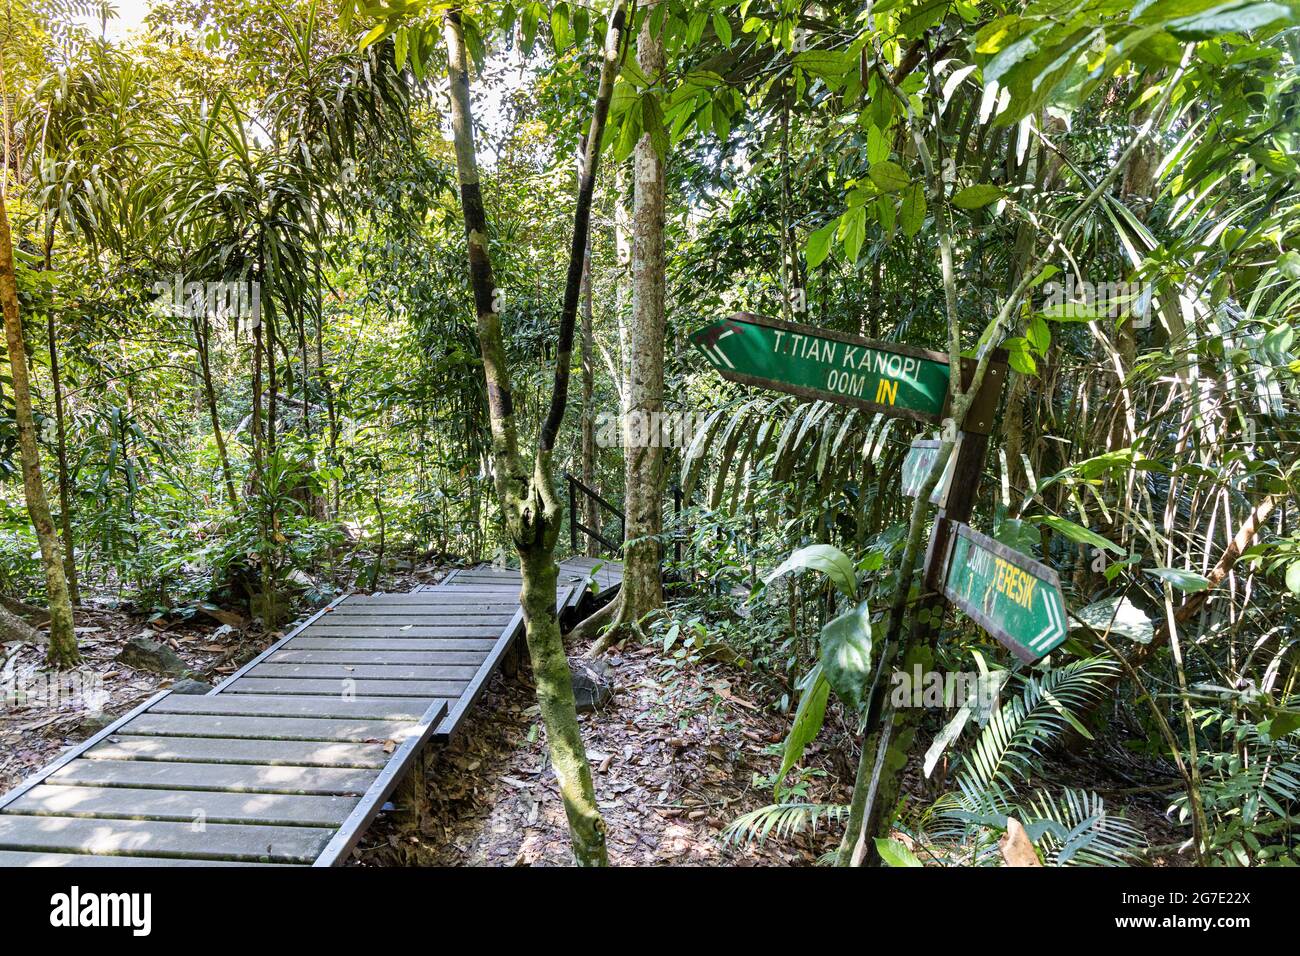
(678, 753)
(674, 758)
(59, 713)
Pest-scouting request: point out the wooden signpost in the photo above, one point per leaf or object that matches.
(1015, 598)
(897, 380)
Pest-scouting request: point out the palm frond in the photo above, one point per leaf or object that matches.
(782, 819)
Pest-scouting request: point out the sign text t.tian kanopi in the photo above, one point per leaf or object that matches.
(835, 367)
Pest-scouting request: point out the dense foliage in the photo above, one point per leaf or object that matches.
(1110, 192)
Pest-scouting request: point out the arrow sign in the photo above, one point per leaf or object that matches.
(815, 363)
(1016, 599)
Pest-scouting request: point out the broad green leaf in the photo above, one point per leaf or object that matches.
(652, 121)
(912, 214)
(560, 27)
(721, 122)
(974, 197)
(825, 558)
(376, 34)
(400, 47)
(819, 243)
(1293, 577)
(629, 133)
(1280, 724)
(1289, 264)
(722, 28)
(846, 654)
(1038, 334)
(830, 65)
(895, 852)
(1229, 18)
(1187, 581)
(853, 231)
(889, 176)
(1018, 356)
(1077, 533)
(886, 214)
(877, 145)
(808, 718)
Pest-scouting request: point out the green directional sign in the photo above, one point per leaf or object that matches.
(815, 363)
(1015, 598)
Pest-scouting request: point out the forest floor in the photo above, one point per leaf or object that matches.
(679, 752)
(40, 717)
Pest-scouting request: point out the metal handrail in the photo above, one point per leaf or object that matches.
(576, 526)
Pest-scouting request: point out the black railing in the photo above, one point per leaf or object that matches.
(577, 488)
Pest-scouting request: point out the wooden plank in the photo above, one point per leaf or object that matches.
(221, 750)
(290, 656)
(217, 841)
(502, 578)
(313, 643)
(489, 608)
(424, 599)
(298, 629)
(267, 728)
(469, 603)
(195, 806)
(459, 707)
(231, 777)
(247, 705)
(368, 671)
(362, 688)
(19, 858)
(347, 835)
(406, 628)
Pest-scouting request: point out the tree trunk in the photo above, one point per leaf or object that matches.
(642, 590)
(63, 640)
(530, 507)
(591, 510)
(203, 339)
(61, 436)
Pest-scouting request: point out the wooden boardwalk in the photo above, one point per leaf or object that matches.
(587, 576)
(288, 760)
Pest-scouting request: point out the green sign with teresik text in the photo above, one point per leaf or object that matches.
(1015, 598)
(814, 363)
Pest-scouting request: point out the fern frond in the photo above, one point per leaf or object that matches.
(1078, 830)
(782, 819)
(1003, 754)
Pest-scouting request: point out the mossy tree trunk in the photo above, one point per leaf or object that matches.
(63, 641)
(531, 508)
(642, 592)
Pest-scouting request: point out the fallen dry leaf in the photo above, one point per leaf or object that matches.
(1017, 850)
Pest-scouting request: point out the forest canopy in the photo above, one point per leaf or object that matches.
(310, 296)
